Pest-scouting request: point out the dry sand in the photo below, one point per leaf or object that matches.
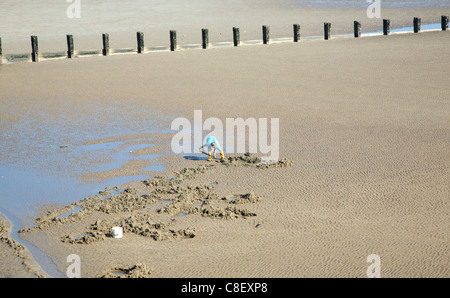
(364, 121)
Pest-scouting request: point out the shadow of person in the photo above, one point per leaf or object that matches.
(195, 157)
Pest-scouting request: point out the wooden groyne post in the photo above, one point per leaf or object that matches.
(297, 36)
(236, 37)
(386, 27)
(34, 49)
(140, 42)
(444, 23)
(417, 23)
(173, 40)
(327, 30)
(266, 34)
(357, 29)
(105, 39)
(205, 38)
(1, 53)
(69, 46)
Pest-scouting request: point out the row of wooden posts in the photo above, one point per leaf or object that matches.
(205, 37)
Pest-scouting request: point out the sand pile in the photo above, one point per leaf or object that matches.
(247, 198)
(139, 224)
(19, 250)
(125, 201)
(254, 161)
(85, 238)
(223, 213)
(136, 271)
(180, 199)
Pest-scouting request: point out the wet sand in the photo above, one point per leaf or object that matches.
(15, 260)
(364, 124)
(49, 21)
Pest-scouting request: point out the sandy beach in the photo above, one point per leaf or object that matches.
(363, 145)
(48, 20)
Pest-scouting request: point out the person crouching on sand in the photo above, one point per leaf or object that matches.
(213, 146)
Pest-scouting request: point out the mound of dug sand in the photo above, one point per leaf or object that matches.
(254, 161)
(27, 265)
(139, 224)
(179, 177)
(223, 213)
(244, 199)
(86, 238)
(136, 271)
(189, 199)
(128, 200)
(125, 201)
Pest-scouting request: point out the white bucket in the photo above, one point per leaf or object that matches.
(117, 232)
